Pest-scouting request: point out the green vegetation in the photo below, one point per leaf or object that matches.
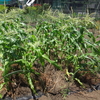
(53, 37)
(3, 8)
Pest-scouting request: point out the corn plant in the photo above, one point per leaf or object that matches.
(21, 47)
(12, 39)
(70, 43)
(64, 42)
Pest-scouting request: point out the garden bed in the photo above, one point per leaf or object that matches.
(56, 88)
(56, 57)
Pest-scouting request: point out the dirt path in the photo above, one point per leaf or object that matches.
(95, 95)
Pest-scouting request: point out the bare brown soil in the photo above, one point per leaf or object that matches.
(54, 86)
(95, 95)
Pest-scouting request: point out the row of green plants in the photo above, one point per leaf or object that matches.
(18, 46)
(70, 44)
(57, 38)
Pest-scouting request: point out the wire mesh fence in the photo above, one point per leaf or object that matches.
(78, 6)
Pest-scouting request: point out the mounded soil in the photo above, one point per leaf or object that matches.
(52, 85)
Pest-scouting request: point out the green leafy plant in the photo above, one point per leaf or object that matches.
(20, 49)
(3, 8)
(30, 9)
(46, 6)
(13, 49)
(56, 38)
(69, 43)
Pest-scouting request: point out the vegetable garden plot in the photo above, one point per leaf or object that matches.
(61, 45)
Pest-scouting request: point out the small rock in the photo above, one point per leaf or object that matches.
(97, 87)
(89, 90)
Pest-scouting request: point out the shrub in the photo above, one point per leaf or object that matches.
(37, 8)
(30, 9)
(46, 6)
